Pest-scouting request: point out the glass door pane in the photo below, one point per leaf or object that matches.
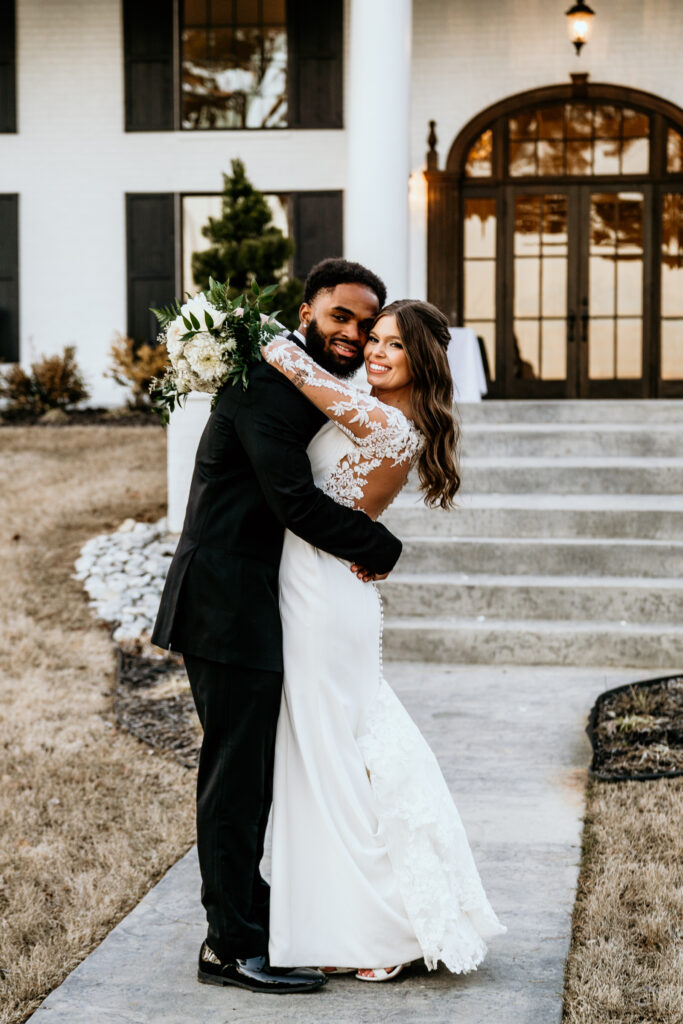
(539, 307)
(672, 287)
(480, 225)
(612, 314)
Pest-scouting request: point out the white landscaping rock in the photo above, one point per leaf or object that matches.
(123, 574)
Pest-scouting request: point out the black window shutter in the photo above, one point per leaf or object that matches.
(8, 88)
(150, 249)
(314, 64)
(9, 278)
(148, 57)
(317, 227)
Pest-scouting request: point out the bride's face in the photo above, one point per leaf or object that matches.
(385, 358)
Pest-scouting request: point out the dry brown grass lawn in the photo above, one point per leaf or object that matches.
(626, 960)
(90, 817)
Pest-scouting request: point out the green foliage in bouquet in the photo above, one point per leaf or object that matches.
(238, 338)
(247, 246)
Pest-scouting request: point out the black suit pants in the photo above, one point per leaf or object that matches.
(238, 709)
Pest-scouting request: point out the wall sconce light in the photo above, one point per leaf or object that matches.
(579, 18)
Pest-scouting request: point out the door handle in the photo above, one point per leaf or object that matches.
(584, 320)
(571, 327)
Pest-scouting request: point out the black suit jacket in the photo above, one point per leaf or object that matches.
(252, 478)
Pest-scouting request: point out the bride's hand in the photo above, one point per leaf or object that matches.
(365, 575)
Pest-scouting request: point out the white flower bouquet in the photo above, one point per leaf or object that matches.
(211, 342)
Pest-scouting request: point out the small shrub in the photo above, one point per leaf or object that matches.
(16, 386)
(134, 365)
(246, 246)
(55, 382)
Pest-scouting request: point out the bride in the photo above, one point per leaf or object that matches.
(371, 867)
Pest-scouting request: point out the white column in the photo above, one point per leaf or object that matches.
(378, 122)
(184, 431)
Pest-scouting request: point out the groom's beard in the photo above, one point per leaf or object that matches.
(317, 348)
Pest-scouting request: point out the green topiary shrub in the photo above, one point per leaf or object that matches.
(246, 245)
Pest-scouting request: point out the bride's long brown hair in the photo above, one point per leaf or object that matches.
(424, 333)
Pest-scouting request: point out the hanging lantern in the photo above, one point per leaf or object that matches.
(579, 18)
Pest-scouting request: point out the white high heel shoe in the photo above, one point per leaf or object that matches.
(381, 973)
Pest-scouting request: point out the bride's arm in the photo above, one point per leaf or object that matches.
(359, 412)
(386, 442)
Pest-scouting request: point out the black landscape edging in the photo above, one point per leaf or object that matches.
(590, 730)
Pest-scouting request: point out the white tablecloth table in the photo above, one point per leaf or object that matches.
(467, 368)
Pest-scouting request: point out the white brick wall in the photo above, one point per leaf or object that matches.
(72, 163)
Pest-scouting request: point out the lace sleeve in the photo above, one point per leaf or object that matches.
(359, 412)
(386, 441)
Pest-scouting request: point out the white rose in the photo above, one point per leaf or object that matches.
(199, 306)
(204, 357)
(174, 334)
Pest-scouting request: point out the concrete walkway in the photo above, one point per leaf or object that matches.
(511, 743)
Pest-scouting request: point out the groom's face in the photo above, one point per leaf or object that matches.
(336, 323)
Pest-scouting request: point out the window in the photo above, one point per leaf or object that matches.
(674, 152)
(479, 159)
(153, 223)
(313, 220)
(571, 139)
(196, 210)
(233, 64)
(230, 64)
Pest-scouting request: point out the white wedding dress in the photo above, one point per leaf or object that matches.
(370, 862)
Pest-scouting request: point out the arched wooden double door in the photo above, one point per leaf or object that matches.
(556, 232)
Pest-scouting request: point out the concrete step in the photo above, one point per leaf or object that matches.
(645, 411)
(520, 642)
(572, 476)
(568, 598)
(575, 440)
(566, 547)
(539, 557)
(646, 517)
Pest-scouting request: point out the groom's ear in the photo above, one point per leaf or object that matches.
(305, 314)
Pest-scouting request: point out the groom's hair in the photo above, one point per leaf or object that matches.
(329, 273)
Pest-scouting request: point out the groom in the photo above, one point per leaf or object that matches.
(252, 479)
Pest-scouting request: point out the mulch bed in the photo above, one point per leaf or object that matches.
(121, 417)
(153, 701)
(637, 731)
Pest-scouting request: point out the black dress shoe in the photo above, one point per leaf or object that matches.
(256, 974)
